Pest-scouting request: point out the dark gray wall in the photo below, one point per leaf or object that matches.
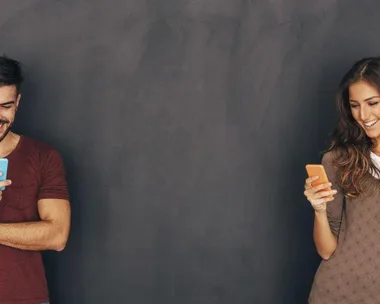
(185, 127)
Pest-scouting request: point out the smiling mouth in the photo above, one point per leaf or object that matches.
(370, 123)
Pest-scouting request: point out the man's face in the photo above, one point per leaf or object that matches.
(9, 100)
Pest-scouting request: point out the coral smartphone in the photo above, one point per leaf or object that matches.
(318, 170)
(3, 170)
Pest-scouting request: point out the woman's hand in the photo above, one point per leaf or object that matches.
(318, 196)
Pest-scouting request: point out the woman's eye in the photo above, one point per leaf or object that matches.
(373, 103)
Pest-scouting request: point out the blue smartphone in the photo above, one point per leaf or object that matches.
(3, 170)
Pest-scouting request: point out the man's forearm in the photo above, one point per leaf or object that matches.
(41, 235)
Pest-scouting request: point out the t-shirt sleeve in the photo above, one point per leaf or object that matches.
(335, 207)
(53, 182)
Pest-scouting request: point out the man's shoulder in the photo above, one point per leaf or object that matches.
(33, 145)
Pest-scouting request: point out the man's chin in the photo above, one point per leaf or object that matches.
(3, 134)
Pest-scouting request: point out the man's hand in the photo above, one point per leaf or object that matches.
(4, 183)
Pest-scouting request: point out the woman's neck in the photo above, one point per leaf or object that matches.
(376, 147)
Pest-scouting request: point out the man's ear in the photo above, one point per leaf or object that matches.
(18, 101)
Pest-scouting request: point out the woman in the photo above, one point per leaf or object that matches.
(347, 226)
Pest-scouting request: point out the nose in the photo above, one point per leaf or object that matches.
(364, 113)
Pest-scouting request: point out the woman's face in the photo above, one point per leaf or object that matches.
(365, 107)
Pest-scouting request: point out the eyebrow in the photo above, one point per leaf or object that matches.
(367, 99)
(7, 103)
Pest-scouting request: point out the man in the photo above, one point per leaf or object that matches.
(34, 206)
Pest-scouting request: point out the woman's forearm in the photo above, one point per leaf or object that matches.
(325, 241)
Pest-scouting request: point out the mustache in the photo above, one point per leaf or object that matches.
(2, 121)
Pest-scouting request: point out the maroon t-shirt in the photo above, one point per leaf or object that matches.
(36, 171)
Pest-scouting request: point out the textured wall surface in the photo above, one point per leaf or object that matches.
(185, 127)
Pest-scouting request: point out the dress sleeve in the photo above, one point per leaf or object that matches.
(53, 182)
(335, 207)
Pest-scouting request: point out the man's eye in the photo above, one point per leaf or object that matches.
(6, 107)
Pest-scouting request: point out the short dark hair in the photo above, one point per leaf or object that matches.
(10, 72)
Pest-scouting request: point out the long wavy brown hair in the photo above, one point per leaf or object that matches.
(349, 142)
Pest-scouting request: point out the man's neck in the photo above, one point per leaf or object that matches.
(8, 144)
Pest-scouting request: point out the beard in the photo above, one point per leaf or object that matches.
(7, 130)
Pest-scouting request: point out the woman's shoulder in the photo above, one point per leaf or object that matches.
(328, 158)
